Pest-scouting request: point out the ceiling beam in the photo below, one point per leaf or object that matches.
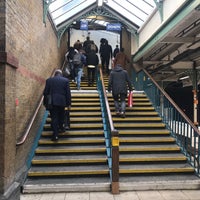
(180, 39)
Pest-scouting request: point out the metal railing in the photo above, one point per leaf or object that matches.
(112, 137)
(182, 128)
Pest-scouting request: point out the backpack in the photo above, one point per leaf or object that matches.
(77, 59)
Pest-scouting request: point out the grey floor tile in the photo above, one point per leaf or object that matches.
(126, 196)
(192, 194)
(77, 196)
(173, 194)
(150, 195)
(101, 196)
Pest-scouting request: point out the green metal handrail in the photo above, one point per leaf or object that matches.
(112, 137)
(186, 133)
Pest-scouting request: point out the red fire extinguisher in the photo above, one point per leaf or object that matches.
(130, 99)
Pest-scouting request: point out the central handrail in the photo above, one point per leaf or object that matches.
(114, 143)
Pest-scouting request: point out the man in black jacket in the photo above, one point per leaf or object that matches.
(58, 87)
(92, 61)
(118, 82)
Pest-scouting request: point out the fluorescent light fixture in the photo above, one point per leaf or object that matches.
(100, 3)
(184, 77)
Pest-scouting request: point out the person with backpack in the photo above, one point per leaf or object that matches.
(92, 61)
(69, 59)
(79, 60)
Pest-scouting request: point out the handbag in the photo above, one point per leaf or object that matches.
(130, 99)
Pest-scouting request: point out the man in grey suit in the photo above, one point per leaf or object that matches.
(59, 88)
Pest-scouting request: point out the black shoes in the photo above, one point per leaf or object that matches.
(54, 138)
(67, 128)
(62, 130)
(122, 114)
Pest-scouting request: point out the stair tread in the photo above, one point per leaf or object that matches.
(69, 160)
(149, 139)
(144, 131)
(72, 140)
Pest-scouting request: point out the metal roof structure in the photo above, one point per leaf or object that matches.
(131, 14)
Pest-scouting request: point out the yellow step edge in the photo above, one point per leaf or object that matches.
(163, 170)
(150, 149)
(81, 150)
(144, 132)
(86, 108)
(74, 133)
(153, 159)
(143, 119)
(88, 95)
(85, 104)
(68, 173)
(80, 141)
(83, 113)
(139, 113)
(99, 125)
(85, 99)
(143, 125)
(86, 119)
(148, 140)
(70, 161)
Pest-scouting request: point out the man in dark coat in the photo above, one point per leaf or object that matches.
(92, 61)
(118, 82)
(58, 87)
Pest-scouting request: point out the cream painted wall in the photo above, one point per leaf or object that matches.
(154, 23)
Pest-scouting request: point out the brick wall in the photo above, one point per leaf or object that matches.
(32, 47)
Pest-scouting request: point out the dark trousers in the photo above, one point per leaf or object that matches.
(57, 119)
(120, 102)
(67, 119)
(91, 75)
(105, 64)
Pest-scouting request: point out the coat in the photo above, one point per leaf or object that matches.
(58, 87)
(119, 81)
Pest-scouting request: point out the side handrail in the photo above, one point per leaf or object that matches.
(27, 131)
(172, 102)
(114, 143)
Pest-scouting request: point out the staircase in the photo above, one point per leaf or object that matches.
(78, 161)
(149, 157)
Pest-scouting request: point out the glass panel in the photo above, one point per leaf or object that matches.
(62, 10)
(136, 11)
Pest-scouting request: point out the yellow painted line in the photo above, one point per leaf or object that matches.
(81, 150)
(88, 95)
(85, 104)
(75, 133)
(83, 113)
(70, 161)
(84, 125)
(142, 108)
(159, 149)
(162, 170)
(132, 119)
(144, 132)
(67, 173)
(86, 119)
(157, 140)
(86, 108)
(85, 99)
(79, 141)
(143, 125)
(148, 159)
